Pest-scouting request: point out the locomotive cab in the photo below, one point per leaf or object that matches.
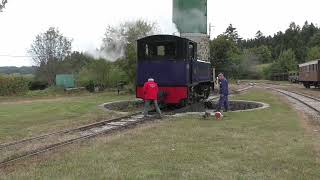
(172, 62)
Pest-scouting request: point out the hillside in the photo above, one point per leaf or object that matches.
(17, 70)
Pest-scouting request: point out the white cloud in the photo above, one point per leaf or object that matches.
(85, 21)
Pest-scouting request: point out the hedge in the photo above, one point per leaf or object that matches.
(13, 85)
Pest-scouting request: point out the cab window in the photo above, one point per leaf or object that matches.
(191, 51)
(160, 50)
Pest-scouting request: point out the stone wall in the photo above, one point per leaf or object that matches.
(203, 44)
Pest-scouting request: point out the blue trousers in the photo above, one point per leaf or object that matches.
(223, 102)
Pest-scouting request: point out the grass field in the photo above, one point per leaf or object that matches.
(25, 117)
(265, 144)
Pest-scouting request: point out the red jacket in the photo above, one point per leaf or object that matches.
(150, 90)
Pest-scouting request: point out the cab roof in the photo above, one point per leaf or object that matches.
(162, 37)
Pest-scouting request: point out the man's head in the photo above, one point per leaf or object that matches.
(221, 76)
(150, 80)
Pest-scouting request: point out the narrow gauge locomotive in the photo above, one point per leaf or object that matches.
(172, 62)
(309, 73)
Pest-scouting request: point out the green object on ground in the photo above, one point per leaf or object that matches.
(65, 80)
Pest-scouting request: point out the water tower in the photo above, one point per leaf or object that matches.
(190, 17)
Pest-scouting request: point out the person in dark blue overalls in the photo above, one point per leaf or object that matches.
(224, 92)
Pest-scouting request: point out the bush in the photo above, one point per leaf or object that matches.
(13, 85)
(37, 85)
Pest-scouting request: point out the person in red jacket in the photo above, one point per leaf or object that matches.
(150, 91)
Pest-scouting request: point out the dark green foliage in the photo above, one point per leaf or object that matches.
(315, 40)
(74, 62)
(285, 63)
(221, 52)
(262, 53)
(37, 85)
(313, 53)
(97, 73)
(129, 63)
(237, 58)
(296, 38)
(102, 74)
(13, 85)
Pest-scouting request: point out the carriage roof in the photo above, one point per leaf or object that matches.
(309, 63)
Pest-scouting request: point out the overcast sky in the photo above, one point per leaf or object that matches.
(85, 21)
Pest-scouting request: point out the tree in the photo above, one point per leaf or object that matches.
(263, 54)
(74, 62)
(315, 40)
(313, 53)
(287, 61)
(222, 50)
(308, 30)
(119, 43)
(232, 34)
(47, 50)
(100, 73)
(259, 35)
(3, 4)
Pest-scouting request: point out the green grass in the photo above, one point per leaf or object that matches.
(24, 118)
(264, 144)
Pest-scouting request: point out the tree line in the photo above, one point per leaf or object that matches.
(24, 70)
(238, 58)
(262, 56)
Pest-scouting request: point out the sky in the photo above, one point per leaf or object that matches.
(86, 21)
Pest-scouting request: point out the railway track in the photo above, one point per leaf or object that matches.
(311, 102)
(15, 151)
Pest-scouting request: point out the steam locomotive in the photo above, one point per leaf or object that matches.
(172, 62)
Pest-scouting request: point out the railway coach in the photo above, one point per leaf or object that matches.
(172, 61)
(309, 73)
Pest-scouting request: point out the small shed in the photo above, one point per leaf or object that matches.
(65, 80)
